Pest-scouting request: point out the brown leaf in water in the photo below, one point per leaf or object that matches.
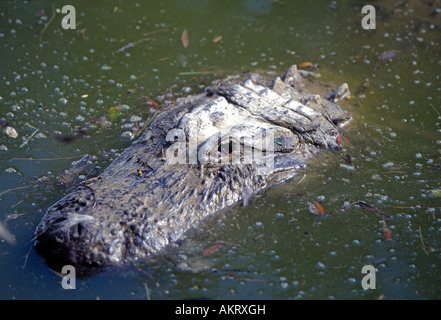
(217, 39)
(386, 231)
(185, 38)
(304, 65)
(150, 102)
(320, 209)
(339, 140)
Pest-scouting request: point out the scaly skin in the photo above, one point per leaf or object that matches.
(147, 199)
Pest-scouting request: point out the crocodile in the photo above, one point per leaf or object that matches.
(208, 153)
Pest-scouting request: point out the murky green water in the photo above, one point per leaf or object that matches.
(64, 81)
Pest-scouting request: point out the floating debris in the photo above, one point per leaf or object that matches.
(313, 209)
(185, 38)
(320, 209)
(346, 167)
(217, 39)
(194, 73)
(373, 209)
(131, 45)
(6, 235)
(114, 113)
(359, 57)
(212, 249)
(10, 131)
(380, 260)
(308, 65)
(339, 140)
(436, 192)
(290, 195)
(362, 87)
(217, 246)
(387, 55)
(150, 102)
(27, 140)
(386, 231)
(316, 208)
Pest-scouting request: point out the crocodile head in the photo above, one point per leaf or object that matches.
(210, 152)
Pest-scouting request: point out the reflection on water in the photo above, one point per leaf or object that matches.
(76, 85)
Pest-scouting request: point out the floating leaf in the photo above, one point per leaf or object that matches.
(386, 231)
(114, 113)
(185, 38)
(436, 193)
(10, 131)
(319, 208)
(150, 102)
(316, 208)
(217, 39)
(304, 65)
(339, 140)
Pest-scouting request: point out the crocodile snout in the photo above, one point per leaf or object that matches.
(67, 239)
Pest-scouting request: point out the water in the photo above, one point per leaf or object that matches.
(63, 82)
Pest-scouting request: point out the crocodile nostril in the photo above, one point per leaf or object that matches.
(80, 229)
